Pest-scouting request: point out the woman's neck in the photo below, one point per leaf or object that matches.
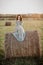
(18, 20)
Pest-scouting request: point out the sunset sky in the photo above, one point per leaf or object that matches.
(21, 6)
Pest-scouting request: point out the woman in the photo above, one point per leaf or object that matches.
(19, 30)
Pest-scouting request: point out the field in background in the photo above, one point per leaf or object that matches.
(28, 24)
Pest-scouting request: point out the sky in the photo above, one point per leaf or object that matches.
(21, 6)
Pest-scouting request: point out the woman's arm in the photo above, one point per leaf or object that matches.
(21, 23)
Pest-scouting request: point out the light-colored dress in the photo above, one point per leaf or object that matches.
(19, 31)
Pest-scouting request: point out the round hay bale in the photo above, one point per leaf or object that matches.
(29, 47)
(8, 24)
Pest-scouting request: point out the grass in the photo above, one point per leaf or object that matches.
(28, 25)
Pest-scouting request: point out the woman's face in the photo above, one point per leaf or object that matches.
(18, 17)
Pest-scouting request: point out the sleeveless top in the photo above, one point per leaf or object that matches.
(19, 33)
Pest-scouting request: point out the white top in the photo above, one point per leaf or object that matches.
(19, 31)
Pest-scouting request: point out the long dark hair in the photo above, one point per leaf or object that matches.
(20, 17)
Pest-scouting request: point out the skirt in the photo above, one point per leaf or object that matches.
(19, 34)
